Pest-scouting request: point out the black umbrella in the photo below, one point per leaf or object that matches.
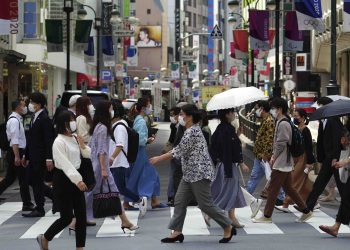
(336, 108)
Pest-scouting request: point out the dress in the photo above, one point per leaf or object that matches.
(143, 178)
(99, 144)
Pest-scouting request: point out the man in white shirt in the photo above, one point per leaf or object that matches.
(119, 162)
(15, 167)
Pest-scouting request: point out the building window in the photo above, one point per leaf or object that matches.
(30, 18)
(189, 2)
(188, 18)
(195, 3)
(194, 20)
(148, 11)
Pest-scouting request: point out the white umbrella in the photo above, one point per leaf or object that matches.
(235, 97)
(334, 98)
(180, 104)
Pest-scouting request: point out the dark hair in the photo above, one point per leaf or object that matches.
(205, 120)
(175, 110)
(102, 115)
(324, 100)
(82, 108)
(15, 104)
(302, 113)
(265, 105)
(62, 121)
(223, 112)
(145, 30)
(119, 111)
(280, 103)
(38, 98)
(192, 110)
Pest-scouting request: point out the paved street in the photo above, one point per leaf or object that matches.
(19, 233)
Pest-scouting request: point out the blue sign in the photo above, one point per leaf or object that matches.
(106, 75)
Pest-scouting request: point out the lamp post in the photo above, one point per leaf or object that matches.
(68, 8)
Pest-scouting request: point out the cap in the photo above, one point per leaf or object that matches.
(73, 100)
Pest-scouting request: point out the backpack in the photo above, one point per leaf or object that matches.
(4, 142)
(133, 142)
(297, 148)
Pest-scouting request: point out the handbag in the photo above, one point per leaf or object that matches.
(106, 204)
(344, 172)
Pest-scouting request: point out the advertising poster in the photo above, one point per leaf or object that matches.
(148, 36)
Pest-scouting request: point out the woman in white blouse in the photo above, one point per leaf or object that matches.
(68, 183)
(85, 113)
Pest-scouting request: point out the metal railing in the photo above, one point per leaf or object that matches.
(249, 128)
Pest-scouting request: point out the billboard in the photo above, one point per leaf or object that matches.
(148, 36)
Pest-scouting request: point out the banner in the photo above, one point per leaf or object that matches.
(54, 35)
(106, 28)
(288, 65)
(346, 16)
(82, 34)
(193, 71)
(259, 29)
(309, 14)
(126, 7)
(240, 38)
(148, 36)
(89, 53)
(9, 17)
(294, 39)
(175, 70)
(108, 51)
(132, 57)
(177, 29)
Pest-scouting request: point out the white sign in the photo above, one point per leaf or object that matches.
(289, 85)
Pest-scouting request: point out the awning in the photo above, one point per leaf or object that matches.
(12, 55)
(90, 80)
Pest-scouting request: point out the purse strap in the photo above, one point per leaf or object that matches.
(109, 187)
(81, 156)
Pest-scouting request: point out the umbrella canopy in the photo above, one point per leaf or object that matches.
(235, 97)
(180, 104)
(334, 98)
(337, 108)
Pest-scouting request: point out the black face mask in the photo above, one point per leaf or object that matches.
(296, 121)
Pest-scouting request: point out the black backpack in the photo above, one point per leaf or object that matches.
(297, 148)
(4, 142)
(133, 142)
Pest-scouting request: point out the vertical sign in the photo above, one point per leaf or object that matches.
(9, 17)
(177, 29)
(210, 41)
(107, 6)
(126, 8)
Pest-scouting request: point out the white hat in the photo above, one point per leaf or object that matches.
(73, 100)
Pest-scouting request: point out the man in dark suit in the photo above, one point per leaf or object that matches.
(39, 152)
(328, 152)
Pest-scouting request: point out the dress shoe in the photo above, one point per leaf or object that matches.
(34, 214)
(328, 230)
(28, 208)
(180, 238)
(90, 223)
(227, 240)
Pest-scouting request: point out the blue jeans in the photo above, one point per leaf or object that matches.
(258, 172)
(119, 175)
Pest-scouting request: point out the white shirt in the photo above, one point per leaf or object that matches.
(83, 128)
(121, 140)
(66, 154)
(37, 114)
(15, 131)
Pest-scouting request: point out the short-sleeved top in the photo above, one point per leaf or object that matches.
(121, 140)
(15, 131)
(194, 155)
(140, 127)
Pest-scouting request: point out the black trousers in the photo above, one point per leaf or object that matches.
(37, 172)
(325, 174)
(344, 209)
(14, 171)
(71, 203)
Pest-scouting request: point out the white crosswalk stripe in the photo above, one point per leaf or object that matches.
(194, 222)
(9, 209)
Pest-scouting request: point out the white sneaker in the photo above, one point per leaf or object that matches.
(255, 207)
(317, 206)
(143, 206)
(262, 219)
(304, 217)
(282, 209)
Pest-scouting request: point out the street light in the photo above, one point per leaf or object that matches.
(68, 8)
(332, 87)
(233, 4)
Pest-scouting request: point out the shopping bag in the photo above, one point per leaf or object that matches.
(267, 170)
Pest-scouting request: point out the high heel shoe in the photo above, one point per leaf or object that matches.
(226, 240)
(180, 238)
(130, 228)
(71, 229)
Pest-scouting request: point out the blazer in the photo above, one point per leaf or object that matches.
(40, 139)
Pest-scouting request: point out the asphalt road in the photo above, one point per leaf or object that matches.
(19, 233)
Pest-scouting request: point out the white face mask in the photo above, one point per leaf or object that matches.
(91, 110)
(24, 110)
(147, 111)
(112, 114)
(182, 121)
(31, 107)
(258, 113)
(273, 112)
(73, 126)
(173, 120)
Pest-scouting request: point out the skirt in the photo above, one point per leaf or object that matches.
(143, 178)
(226, 192)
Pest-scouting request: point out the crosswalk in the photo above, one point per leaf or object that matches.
(194, 223)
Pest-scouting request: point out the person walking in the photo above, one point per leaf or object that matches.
(144, 178)
(226, 152)
(118, 159)
(15, 165)
(39, 152)
(68, 184)
(304, 163)
(282, 165)
(198, 172)
(84, 111)
(100, 132)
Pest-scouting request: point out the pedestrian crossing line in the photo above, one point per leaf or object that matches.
(194, 222)
(112, 228)
(320, 218)
(244, 217)
(41, 226)
(9, 209)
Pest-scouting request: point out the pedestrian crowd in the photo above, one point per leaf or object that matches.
(92, 162)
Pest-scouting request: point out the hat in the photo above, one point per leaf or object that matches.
(73, 100)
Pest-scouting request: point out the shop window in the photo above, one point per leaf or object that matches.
(30, 16)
